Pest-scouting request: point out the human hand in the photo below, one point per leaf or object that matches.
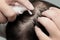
(51, 22)
(6, 11)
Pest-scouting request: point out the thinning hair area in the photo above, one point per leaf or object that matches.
(23, 27)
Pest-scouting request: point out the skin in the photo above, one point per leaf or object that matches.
(51, 22)
(6, 12)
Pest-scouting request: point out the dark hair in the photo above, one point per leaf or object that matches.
(23, 27)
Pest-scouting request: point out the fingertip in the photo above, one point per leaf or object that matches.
(27, 4)
(37, 29)
(40, 18)
(44, 13)
(30, 7)
(43, 20)
(53, 8)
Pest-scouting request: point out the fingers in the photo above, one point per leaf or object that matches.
(57, 19)
(40, 34)
(7, 11)
(10, 2)
(54, 14)
(49, 13)
(2, 18)
(27, 4)
(49, 25)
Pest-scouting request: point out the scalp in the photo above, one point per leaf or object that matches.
(23, 27)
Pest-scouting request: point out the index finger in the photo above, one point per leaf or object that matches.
(26, 3)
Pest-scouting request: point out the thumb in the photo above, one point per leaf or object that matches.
(40, 34)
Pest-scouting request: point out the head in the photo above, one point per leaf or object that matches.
(23, 27)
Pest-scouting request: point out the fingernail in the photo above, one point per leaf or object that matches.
(36, 28)
(38, 18)
(52, 8)
(30, 6)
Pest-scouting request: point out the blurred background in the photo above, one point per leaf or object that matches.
(1, 38)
